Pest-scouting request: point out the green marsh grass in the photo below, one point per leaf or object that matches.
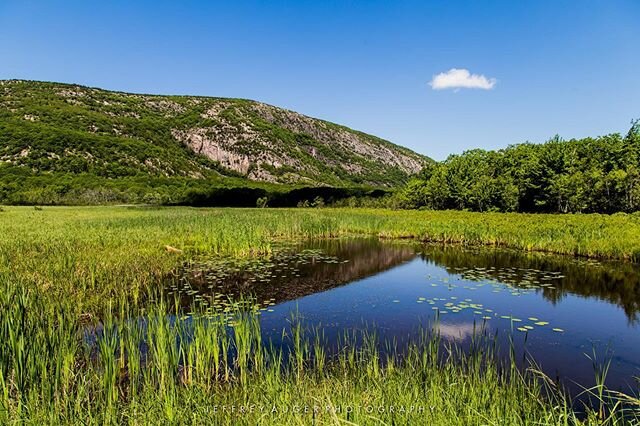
(85, 336)
(94, 254)
(163, 367)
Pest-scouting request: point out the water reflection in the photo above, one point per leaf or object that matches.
(299, 270)
(332, 263)
(554, 308)
(457, 332)
(614, 282)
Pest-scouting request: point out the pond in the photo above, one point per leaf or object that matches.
(556, 310)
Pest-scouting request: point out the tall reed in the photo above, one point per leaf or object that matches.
(85, 333)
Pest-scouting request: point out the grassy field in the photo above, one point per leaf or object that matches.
(94, 253)
(66, 272)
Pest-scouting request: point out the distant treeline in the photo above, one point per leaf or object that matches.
(22, 186)
(259, 197)
(591, 175)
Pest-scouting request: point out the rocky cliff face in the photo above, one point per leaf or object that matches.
(194, 136)
(237, 142)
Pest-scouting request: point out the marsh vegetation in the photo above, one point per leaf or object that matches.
(91, 328)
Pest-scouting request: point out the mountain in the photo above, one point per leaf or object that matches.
(54, 129)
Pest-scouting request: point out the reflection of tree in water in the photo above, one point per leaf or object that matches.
(615, 282)
(292, 277)
(333, 262)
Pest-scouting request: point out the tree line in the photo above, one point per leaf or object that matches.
(590, 175)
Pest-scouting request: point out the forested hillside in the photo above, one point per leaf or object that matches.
(62, 143)
(599, 174)
(69, 144)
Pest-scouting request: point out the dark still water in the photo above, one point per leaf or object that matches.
(556, 309)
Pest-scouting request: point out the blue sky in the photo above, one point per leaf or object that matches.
(555, 67)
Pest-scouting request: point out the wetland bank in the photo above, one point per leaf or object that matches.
(317, 308)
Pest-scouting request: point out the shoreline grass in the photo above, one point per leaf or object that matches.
(614, 236)
(82, 252)
(62, 269)
(96, 253)
(176, 369)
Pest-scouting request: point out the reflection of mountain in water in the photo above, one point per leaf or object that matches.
(615, 282)
(335, 262)
(341, 261)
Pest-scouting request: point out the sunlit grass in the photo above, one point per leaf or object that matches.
(84, 334)
(98, 252)
(160, 368)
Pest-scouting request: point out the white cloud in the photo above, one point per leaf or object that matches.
(460, 78)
